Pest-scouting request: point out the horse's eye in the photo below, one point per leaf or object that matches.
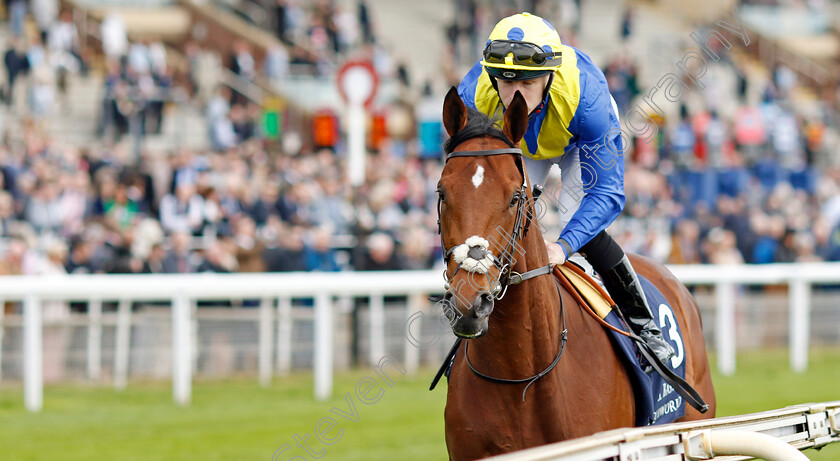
(514, 200)
(441, 195)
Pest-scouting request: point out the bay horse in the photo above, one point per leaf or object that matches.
(518, 330)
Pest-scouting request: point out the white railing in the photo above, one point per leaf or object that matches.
(774, 435)
(184, 290)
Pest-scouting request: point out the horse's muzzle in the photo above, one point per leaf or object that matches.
(471, 323)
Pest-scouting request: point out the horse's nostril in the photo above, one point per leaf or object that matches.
(484, 304)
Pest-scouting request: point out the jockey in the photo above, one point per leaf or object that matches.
(573, 123)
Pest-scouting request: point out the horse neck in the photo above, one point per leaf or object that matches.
(525, 326)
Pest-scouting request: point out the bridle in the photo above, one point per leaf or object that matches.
(509, 277)
(505, 263)
(524, 215)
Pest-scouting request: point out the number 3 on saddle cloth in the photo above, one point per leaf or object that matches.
(656, 401)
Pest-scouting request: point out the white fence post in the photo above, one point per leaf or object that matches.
(181, 350)
(412, 351)
(377, 328)
(284, 335)
(323, 346)
(265, 341)
(725, 326)
(2, 314)
(123, 344)
(192, 312)
(94, 339)
(799, 298)
(33, 354)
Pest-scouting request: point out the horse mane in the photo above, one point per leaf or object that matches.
(478, 125)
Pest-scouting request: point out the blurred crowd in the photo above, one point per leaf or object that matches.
(137, 76)
(48, 55)
(743, 172)
(244, 209)
(137, 84)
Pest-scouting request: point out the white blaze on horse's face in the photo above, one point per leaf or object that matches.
(478, 177)
(469, 262)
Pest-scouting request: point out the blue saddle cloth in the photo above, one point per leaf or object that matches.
(656, 401)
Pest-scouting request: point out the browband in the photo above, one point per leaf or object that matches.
(484, 153)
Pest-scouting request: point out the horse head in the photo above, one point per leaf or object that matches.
(484, 208)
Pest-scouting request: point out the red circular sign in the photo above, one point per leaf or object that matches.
(357, 82)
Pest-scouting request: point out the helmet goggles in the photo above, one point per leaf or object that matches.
(525, 54)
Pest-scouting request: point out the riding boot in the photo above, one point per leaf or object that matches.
(623, 284)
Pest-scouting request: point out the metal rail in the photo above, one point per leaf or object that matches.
(775, 435)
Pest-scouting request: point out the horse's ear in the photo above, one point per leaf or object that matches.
(454, 112)
(516, 118)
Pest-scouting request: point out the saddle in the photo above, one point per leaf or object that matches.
(588, 289)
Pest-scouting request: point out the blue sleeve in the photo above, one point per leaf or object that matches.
(466, 90)
(601, 159)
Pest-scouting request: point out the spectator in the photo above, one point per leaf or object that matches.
(183, 210)
(217, 260)
(720, 247)
(154, 261)
(416, 249)
(43, 210)
(242, 64)
(17, 13)
(281, 21)
(290, 252)
(45, 13)
(121, 211)
(81, 255)
(114, 37)
(14, 260)
(380, 255)
(64, 46)
(204, 70)
(365, 22)
(249, 248)
(320, 256)
(8, 223)
(276, 64)
(41, 90)
(788, 250)
(626, 24)
(685, 243)
(180, 259)
(16, 63)
(244, 127)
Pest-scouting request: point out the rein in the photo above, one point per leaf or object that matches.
(531, 380)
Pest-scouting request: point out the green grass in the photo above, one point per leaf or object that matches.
(237, 420)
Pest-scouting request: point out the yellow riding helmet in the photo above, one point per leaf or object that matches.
(522, 47)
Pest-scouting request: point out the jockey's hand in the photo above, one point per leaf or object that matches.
(556, 255)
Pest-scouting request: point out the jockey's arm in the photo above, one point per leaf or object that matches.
(602, 168)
